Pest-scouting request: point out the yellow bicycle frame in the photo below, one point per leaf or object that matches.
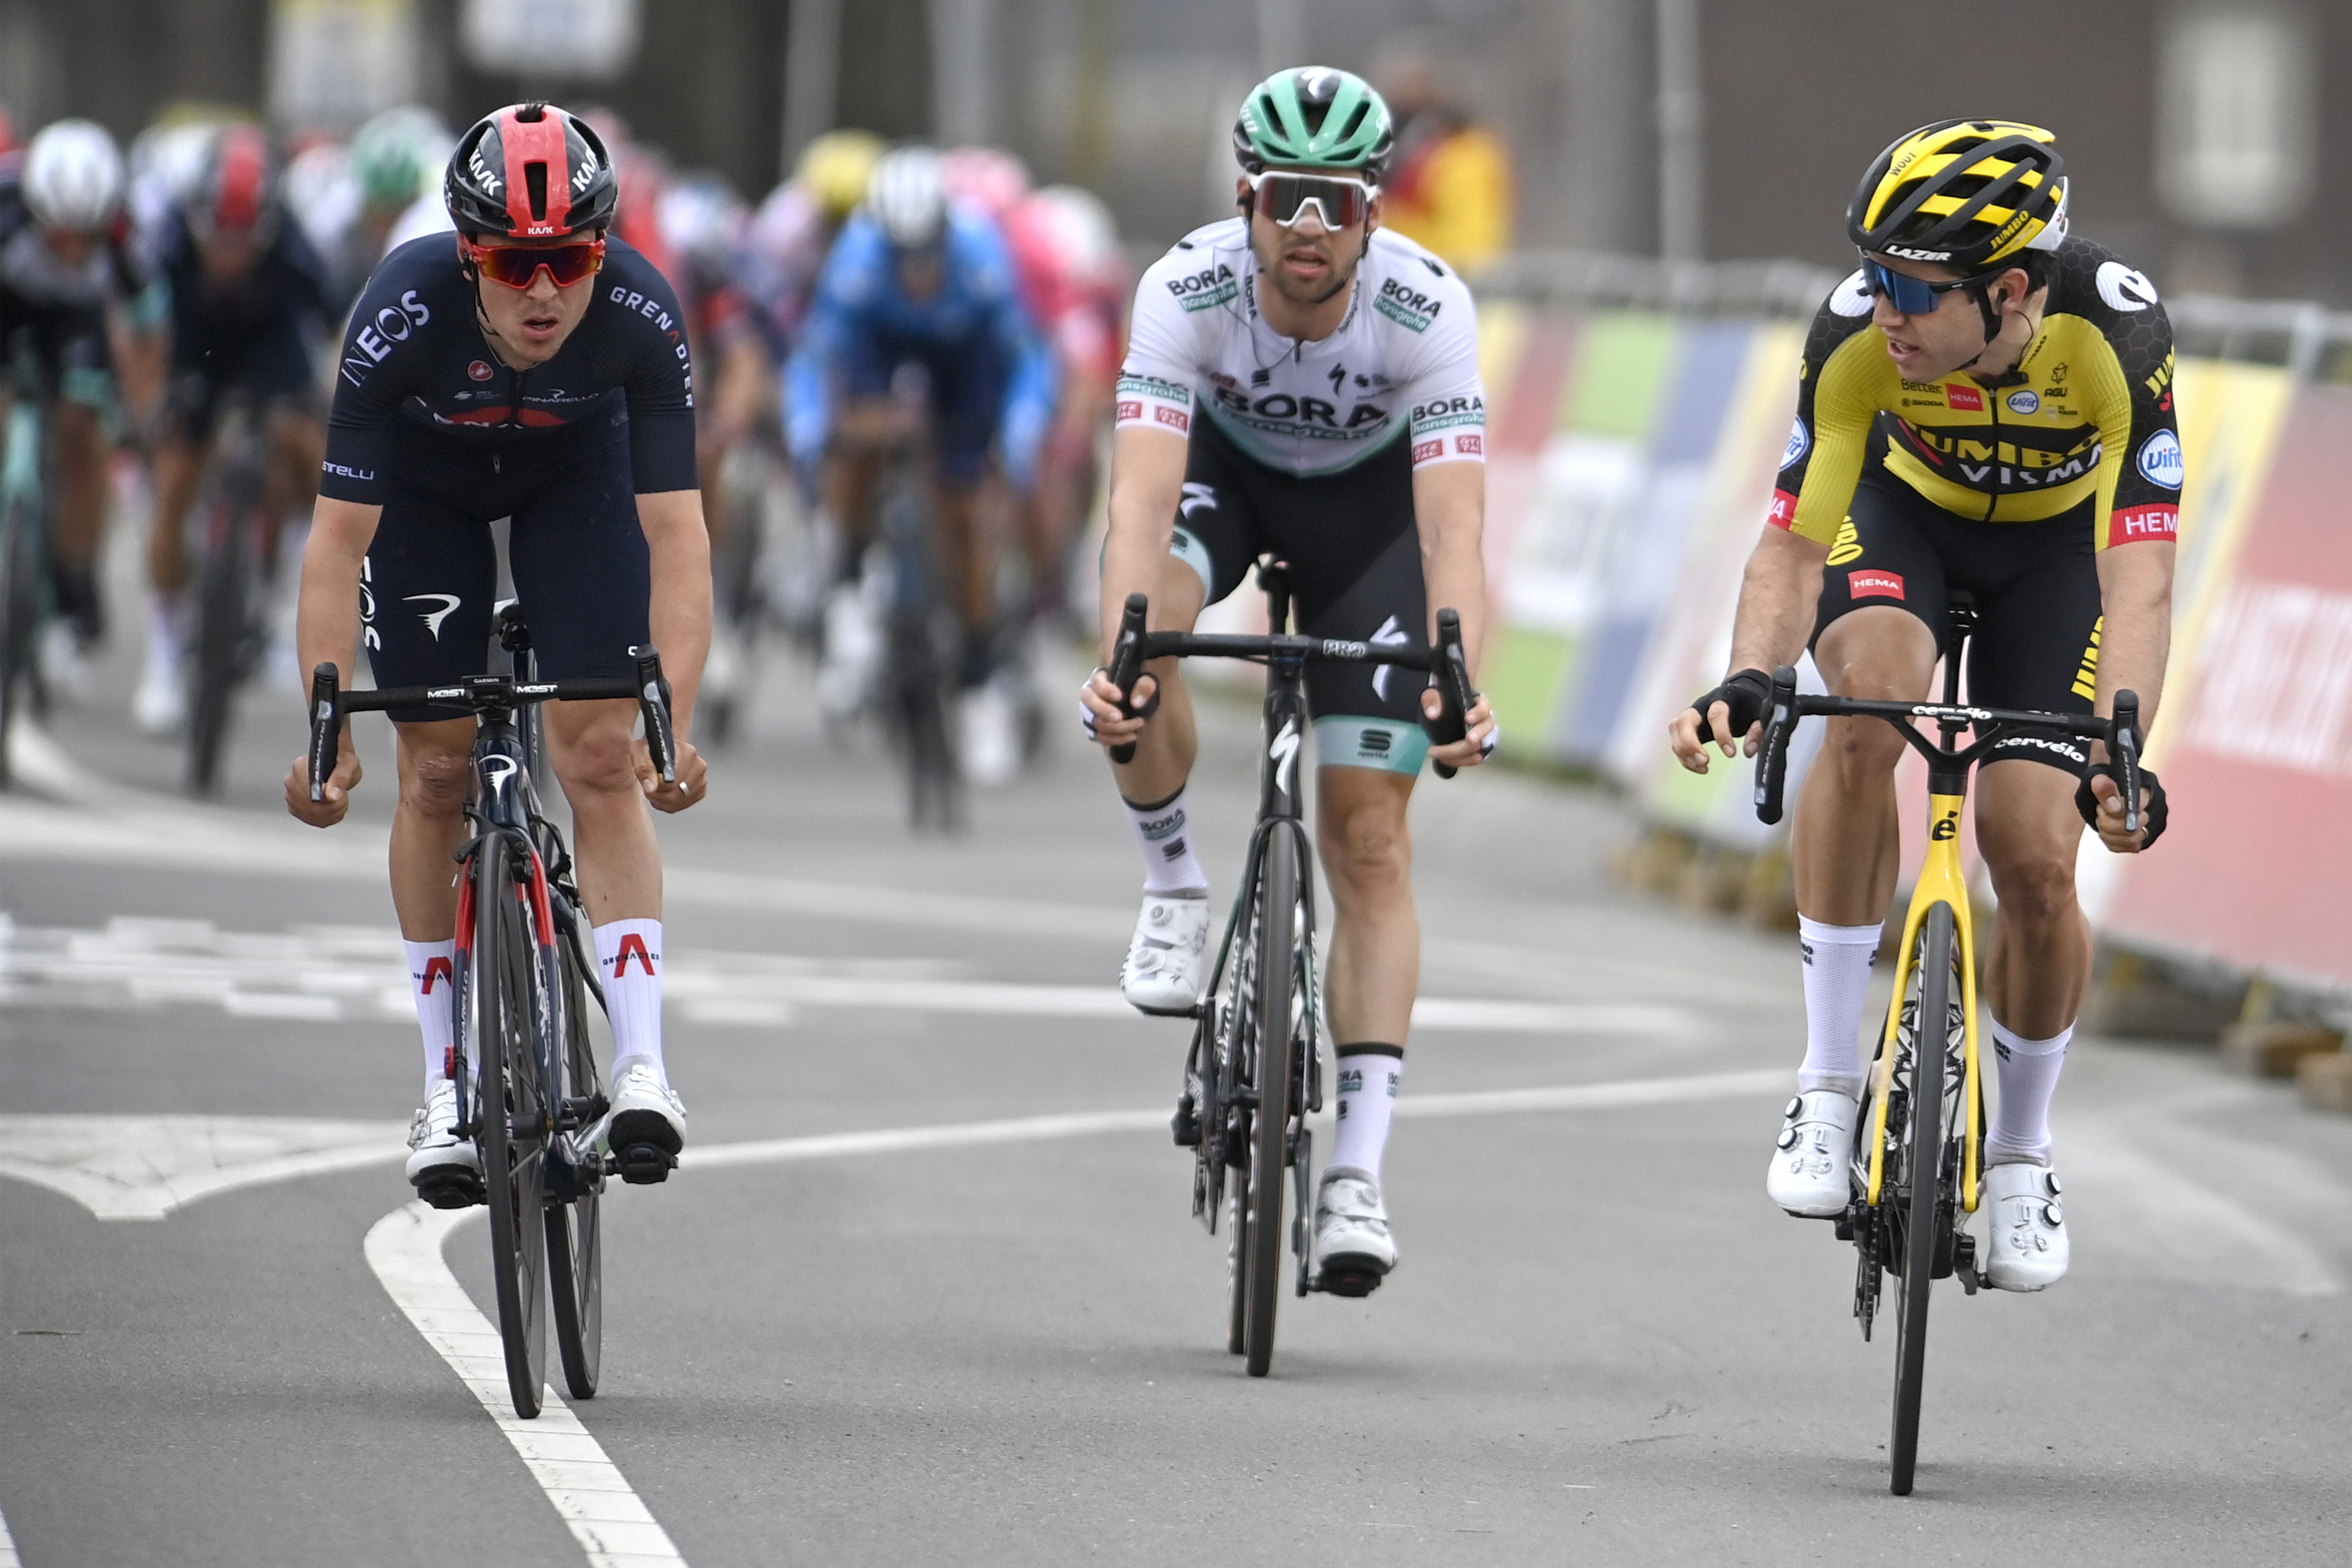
(1942, 879)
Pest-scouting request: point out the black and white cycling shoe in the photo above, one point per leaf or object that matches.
(646, 1127)
(1163, 962)
(1808, 1174)
(2028, 1227)
(1353, 1248)
(445, 1169)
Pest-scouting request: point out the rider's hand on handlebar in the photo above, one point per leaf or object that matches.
(2109, 817)
(1111, 724)
(340, 783)
(1718, 716)
(1479, 728)
(693, 778)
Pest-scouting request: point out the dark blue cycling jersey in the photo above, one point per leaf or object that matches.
(416, 371)
(251, 327)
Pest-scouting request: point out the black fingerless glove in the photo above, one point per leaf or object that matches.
(1749, 693)
(2151, 817)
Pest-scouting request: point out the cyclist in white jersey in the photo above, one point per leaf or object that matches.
(1300, 383)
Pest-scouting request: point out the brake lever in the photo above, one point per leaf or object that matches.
(1772, 759)
(2123, 744)
(325, 723)
(1127, 665)
(1454, 696)
(653, 701)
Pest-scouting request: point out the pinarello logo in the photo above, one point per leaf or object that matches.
(1874, 584)
(480, 370)
(1966, 399)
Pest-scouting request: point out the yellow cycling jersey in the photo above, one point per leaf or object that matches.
(2087, 413)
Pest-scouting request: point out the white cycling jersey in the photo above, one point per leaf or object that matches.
(1405, 359)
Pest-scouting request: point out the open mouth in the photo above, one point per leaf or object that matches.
(540, 324)
(1305, 261)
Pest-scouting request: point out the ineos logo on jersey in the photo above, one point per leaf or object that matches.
(2124, 288)
(391, 325)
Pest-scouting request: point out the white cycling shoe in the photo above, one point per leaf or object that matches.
(445, 1169)
(2028, 1227)
(1163, 962)
(647, 1126)
(1808, 1175)
(1353, 1248)
(988, 735)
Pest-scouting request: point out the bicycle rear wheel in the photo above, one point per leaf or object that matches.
(512, 1135)
(1262, 1192)
(1922, 1204)
(575, 1250)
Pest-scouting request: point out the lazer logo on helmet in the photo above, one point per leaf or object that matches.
(1910, 253)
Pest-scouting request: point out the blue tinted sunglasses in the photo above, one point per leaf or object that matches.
(1912, 296)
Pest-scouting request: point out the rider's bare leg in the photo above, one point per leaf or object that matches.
(1367, 853)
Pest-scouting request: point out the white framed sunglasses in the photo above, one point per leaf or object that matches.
(1339, 202)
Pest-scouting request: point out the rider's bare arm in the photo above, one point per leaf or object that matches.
(2134, 640)
(1449, 509)
(1147, 483)
(679, 615)
(1778, 596)
(327, 630)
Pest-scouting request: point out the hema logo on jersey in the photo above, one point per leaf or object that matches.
(1873, 584)
(2133, 525)
(2161, 462)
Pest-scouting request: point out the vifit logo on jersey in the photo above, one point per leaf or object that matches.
(2134, 524)
(1873, 584)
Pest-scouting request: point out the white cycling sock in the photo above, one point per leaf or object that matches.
(433, 987)
(2028, 1071)
(1169, 864)
(1838, 961)
(629, 959)
(1369, 1074)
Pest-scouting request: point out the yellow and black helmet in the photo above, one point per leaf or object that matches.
(1965, 194)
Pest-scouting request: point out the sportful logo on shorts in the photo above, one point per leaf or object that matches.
(2131, 525)
(1874, 584)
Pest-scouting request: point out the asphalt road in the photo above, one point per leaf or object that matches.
(1602, 1345)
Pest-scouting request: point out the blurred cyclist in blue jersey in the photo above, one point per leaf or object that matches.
(914, 280)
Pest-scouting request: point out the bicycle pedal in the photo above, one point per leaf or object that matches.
(451, 1188)
(1342, 1278)
(1185, 1125)
(643, 1164)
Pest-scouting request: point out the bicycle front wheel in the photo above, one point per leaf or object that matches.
(512, 1113)
(223, 595)
(1923, 1202)
(1277, 916)
(20, 609)
(575, 1251)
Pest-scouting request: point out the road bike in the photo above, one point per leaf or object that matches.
(1918, 1161)
(528, 1091)
(1254, 1073)
(920, 637)
(25, 487)
(236, 543)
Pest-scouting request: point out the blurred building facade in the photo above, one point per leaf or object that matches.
(2212, 140)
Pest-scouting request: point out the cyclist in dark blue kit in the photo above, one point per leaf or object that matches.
(534, 367)
(248, 311)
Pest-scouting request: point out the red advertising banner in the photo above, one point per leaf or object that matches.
(2255, 868)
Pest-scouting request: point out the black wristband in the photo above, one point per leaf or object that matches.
(1748, 694)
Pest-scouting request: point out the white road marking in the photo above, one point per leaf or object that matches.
(596, 1501)
(8, 1558)
(321, 974)
(2149, 1209)
(143, 1167)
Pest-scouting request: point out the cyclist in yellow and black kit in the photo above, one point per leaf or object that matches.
(1985, 406)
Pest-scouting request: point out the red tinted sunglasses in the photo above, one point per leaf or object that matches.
(517, 266)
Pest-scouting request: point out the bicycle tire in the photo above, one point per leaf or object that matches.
(575, 1250)
(1268, 1179)
(512, 1134)
(20, 608)
(1922, 1190)
(222, 609)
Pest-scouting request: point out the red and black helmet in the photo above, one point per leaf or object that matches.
(236, 190)
(532, 171)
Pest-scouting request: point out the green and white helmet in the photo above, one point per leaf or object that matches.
(1314, 118)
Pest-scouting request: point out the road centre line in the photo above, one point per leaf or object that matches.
(596, 1501)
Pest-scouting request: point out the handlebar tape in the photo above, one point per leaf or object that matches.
(1127, 665)
(324, 723)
